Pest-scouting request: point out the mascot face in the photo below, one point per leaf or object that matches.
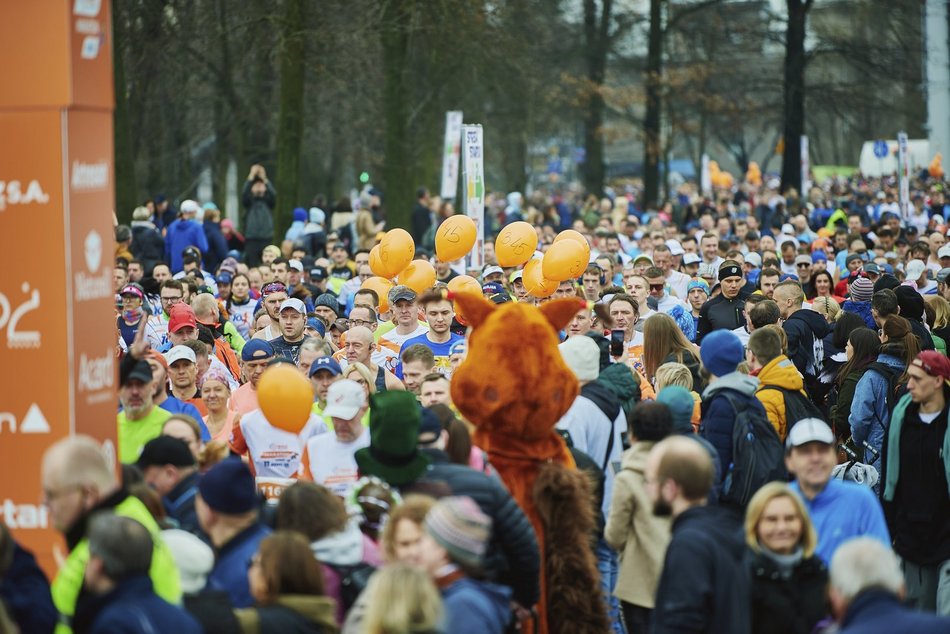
(513, 381)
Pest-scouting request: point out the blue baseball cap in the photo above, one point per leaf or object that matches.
(788, 276)
(819, 256)
(224, 278)
(326, 363)
(256, 349)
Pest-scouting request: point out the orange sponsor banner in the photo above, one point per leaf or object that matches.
(57, 312)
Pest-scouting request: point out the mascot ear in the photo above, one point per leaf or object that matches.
(475, 307)
(560, 312)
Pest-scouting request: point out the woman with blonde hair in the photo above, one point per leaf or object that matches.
(678, 374)
(826, 307)
(788, 580)
(663, 342)
(358, 372)
(401, 599)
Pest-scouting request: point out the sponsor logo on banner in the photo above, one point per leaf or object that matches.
(10, 317)
(94, 285)
(24, 516)
(33, 422)
(97, 375)
(22, 193)
(89, 176)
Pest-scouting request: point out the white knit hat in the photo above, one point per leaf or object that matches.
(582, 356)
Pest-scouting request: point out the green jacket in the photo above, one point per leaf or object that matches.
(68, 582)
(893, 458)
(233, 337)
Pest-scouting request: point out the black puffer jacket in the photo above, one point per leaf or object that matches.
(513, 558)
(720, 313)
(786, 606)
(148, 245)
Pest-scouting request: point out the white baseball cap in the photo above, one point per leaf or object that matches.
(755, 259)
(189, 207)
(691, 258)
(296, 265)
(491, 270)
(944, 251)
(344, 399)
(809, 430)
(294, 303)
(177, 353)
(914, 269)
(675, 247)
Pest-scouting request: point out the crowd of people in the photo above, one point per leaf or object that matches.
(763, 404)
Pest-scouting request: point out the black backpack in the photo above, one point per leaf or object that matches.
(797, 406)
(895, 388)
(757, 454)
(353, 580)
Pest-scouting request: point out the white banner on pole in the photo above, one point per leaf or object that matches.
(705, 182)
(806, 181)
(450, 153)
(903, 173)
(473, 179)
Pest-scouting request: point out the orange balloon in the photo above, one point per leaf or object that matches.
(396, 251)
(534, 281)
(285, 397)
(419, 276)
(454, 238)
(570, 234)
(516, 243)
(464, 284)
(381, 285)
(376, 263)
(564, 261)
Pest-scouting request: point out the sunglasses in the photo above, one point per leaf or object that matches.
(657, 287)
(802, 265)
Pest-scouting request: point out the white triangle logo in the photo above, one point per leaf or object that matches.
(34, 422)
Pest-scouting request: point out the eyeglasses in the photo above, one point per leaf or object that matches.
(171, 300)
(359, 322)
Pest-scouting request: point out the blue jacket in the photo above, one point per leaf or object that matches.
(718, 416)
(880, 612)
(182, 234)
(177, 406)
(25, 591)
(133, 607)
(230, 567)
(841, 511)
(476, 607)
(862, 309)
(869, 415)
(217, 246)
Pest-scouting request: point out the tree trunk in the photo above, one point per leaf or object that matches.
(290, 120)
(596, 45)
(126, 193)
(794, 96)
(654, 105)
(397, 169)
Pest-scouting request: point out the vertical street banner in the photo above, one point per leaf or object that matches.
(903, 173)
(473, 180)
(57, 314)
(451, 151)
(806, 168)
(705, 182)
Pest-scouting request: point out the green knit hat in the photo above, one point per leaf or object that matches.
(392, 455)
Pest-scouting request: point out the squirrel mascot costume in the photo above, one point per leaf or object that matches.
(514, 387)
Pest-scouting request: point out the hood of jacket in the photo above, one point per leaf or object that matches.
(781, 372)
(343, 548)
(142, 225)
(891, 361)
(742, 383)
(812, 320)
(498, 596)
(321, 610)
(605, 400)
(620, 380)
(635, 458)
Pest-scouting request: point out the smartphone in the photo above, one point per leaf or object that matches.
(616, 343)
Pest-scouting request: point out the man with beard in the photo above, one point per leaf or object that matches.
(703, 587)
(140, 420)
(272, 296)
